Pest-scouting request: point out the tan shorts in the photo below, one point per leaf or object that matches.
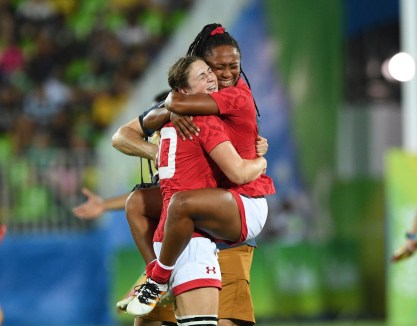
(235, 298)
(162, 313)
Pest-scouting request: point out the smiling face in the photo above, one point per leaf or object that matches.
(201, 79)
(224, 60)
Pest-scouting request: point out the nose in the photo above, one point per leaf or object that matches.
(226, 72)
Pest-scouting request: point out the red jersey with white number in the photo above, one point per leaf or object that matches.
(237, 110)
(186, 164)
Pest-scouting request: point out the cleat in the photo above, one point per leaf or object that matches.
(149, 295)
(122, 304)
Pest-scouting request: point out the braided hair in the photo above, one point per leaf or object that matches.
(211, 37)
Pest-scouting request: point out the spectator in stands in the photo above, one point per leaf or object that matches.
(42, 63)
(10, 106)
(43, 107)
(12, 59)
(37, 11)
(65, 8)
(132, 33)
(106, 53)
(107, 105)
(40, 108)
(136, 63)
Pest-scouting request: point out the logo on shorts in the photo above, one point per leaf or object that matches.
(208, 270)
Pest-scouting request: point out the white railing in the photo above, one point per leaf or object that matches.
(38, 190)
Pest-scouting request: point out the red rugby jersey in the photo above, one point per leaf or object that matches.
(186, 164)
(237, 110)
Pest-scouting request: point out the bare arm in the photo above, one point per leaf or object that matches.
(183, 123)
(196, 104)
(155, 119)
(414, 226)
(129, 139)
(410, 245)
(95, 206)
(238, 170)
(3, 230)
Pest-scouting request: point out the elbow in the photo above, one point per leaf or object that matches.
(147, 122)
(237, 178)
(115, 140)
(240, 181)
(176, 104)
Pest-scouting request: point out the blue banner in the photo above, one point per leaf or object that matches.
(54, 280)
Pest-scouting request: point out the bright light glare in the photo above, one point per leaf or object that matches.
(402, 67)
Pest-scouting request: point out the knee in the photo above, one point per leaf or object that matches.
(132, 204)
(129, 205)
(178, 204)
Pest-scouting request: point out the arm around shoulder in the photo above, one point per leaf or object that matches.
(195, 104)
(155, 119)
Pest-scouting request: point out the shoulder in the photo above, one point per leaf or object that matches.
(209, 121)
(211, 127)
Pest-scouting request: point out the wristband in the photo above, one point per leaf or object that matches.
(411, 236)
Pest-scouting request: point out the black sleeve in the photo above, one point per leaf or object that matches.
(148, 132)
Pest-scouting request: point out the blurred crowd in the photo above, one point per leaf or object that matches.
(67, 66)
(66, 70)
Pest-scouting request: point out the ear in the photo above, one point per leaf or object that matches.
(183, 91)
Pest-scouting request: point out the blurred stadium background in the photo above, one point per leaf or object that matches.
(71, 72)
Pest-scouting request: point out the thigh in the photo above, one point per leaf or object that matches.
(145, 201)
(202, 301)
(214, 210)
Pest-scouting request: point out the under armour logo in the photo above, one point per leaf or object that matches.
(208, 270)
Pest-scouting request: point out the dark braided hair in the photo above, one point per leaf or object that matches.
(205, 42)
